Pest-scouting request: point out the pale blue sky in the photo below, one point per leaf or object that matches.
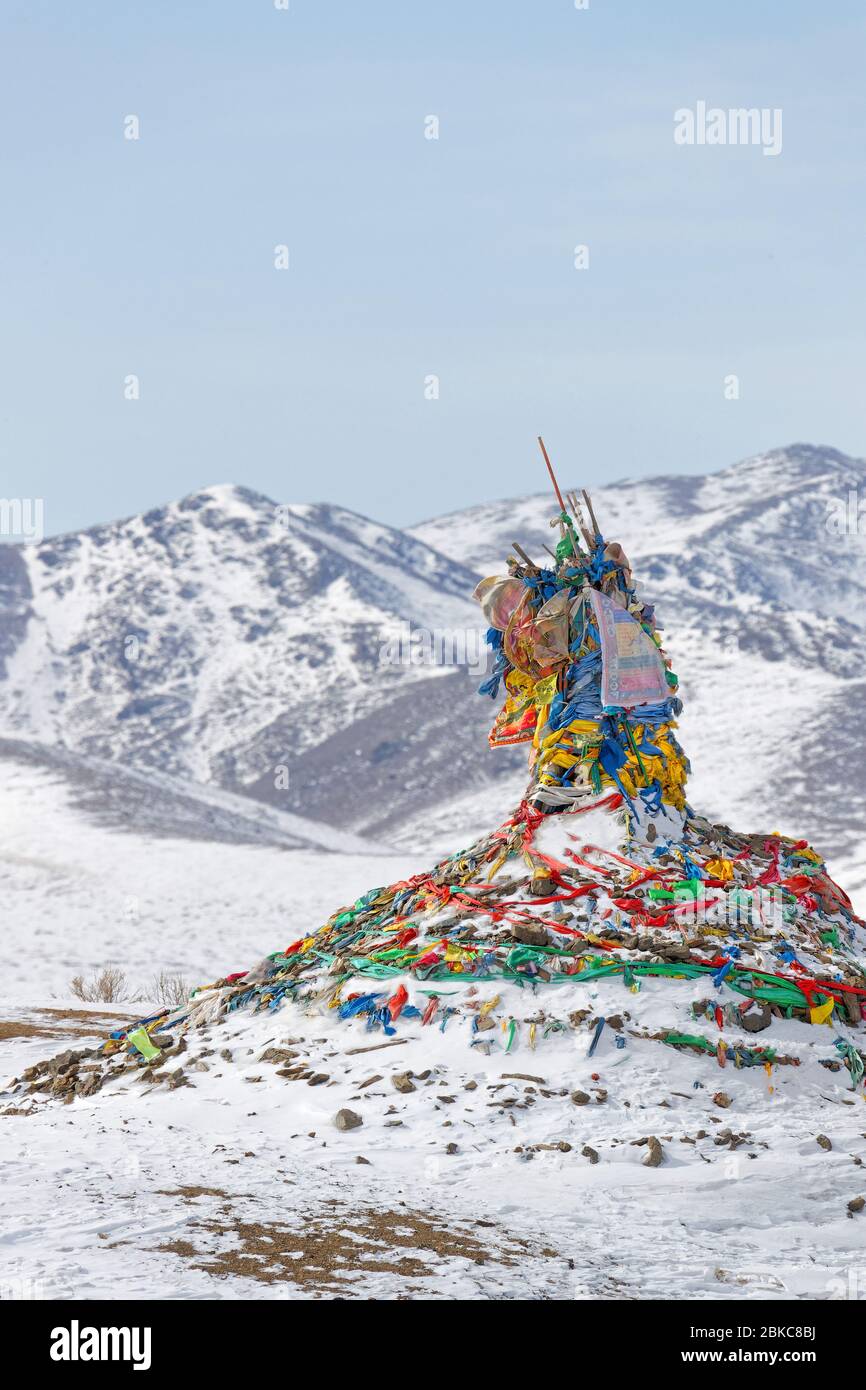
(411, 256)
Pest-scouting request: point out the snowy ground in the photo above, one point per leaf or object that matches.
(239, 1184)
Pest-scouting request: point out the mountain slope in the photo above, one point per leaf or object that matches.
(116, 798)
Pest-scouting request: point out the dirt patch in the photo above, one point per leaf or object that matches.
(328, 1252)
(175, 1247)
(188, 1193)
(17, 1029)
(103, 1015)
(46, 1023)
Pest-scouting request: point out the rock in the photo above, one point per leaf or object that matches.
(541, 887)
(530, 934)
(451, 1148)
(226, 1054)
(484, 1024)
(65, 1062)
(654, 1153)
(361, 1159)
(614, 1021)
(371, 1081)
(88, 1085)
(347, 1119)
(319, 1078)
(723, 1099)
(273, 1054)
(471, 1086)
(589, 1153)
(756, 1018)
(403, 1082)
(675, 953)
(856, 1204)
(823, 1142)
(579, 1098)
(178, 1078)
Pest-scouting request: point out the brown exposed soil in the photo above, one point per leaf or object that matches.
(189, 1193)
(328, 1250)
(63, 1023)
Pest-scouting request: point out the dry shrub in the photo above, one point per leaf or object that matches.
(168, 990)
(109, 986)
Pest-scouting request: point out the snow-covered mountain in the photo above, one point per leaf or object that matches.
(229, 641)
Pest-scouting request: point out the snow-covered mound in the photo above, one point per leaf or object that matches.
(624, 879)
(318, 1110)
(766, 945)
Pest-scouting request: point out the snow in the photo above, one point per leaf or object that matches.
(80, 895)
(142, 1190)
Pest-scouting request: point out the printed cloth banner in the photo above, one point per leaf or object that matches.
(632, 671)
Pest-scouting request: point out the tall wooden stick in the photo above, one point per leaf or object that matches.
(530, 564)
(578, 516)
(591, 512)
(562, 506)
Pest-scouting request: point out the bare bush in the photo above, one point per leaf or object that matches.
(110, 986)
(168, 990)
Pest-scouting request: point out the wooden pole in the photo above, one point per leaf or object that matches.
(562, 506)
(530, 564)
(591, 512)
